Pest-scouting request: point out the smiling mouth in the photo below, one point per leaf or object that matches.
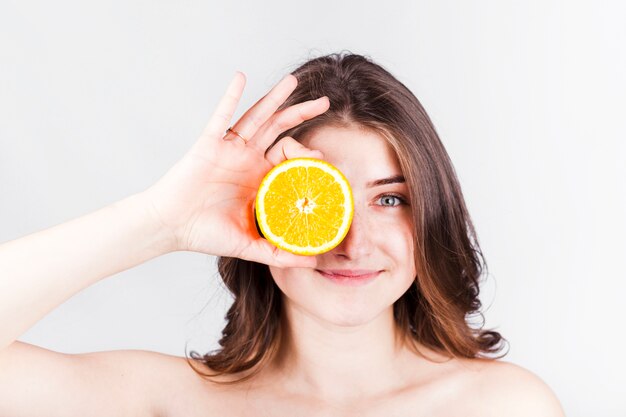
(352, 279)
(352, 273)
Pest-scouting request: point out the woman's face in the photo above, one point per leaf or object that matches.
(380, 237)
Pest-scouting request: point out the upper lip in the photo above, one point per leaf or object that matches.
(349, 272)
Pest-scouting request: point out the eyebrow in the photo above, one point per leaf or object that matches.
(391, 180)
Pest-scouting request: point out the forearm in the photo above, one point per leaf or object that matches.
(40, 271)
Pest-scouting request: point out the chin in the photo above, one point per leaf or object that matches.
(347, 317)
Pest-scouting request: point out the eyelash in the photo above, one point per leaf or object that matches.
(397, 196)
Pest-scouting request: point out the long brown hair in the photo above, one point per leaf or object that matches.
(435, 310)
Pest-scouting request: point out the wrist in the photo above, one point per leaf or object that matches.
(161, 239)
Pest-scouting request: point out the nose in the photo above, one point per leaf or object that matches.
(357, 244)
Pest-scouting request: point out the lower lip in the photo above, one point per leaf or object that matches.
(351, 281)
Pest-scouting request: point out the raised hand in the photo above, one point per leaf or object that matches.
(206, 199)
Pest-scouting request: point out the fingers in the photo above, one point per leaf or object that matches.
(221, 117)
(286, 119)
(262, 110)
(264, 252)
(288, 148)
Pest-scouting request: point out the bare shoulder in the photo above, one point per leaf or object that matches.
(172, 386)
(164, 380)
(155, 378)
(504, 388)
(35, 380)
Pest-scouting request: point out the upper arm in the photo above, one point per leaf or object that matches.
(514, 391)
(38, 382)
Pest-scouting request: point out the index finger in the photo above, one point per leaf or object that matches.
(256, 116)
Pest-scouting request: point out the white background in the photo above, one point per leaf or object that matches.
(99, 99)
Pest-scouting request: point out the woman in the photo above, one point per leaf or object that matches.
(298, 341)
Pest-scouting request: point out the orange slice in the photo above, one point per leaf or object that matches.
(304, 206)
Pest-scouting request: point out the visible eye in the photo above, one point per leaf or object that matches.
(389, 198)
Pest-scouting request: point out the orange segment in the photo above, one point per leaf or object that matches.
(304, 206)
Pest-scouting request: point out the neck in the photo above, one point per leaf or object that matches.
(342, 363)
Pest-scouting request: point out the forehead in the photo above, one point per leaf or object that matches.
(362, 155)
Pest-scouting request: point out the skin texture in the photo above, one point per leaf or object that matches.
(342, 338)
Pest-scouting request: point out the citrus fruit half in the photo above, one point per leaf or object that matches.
(304, 206)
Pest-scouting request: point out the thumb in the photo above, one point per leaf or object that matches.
(260, 250)
(289, 148)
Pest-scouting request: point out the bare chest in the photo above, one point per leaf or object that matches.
(454, 388)
(449, 398)
(431, 407)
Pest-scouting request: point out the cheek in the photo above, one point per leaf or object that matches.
(289, 280)
(397, 242)
(279, 275)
